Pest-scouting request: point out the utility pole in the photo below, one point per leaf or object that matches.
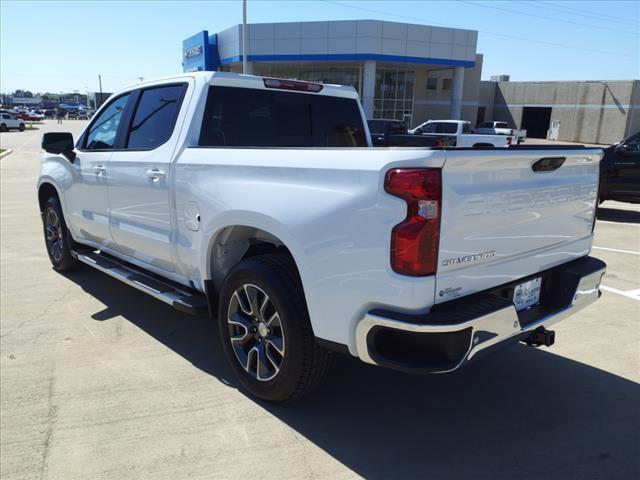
(244, 36)
(100, 82)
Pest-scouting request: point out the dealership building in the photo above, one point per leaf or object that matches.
(416, 73)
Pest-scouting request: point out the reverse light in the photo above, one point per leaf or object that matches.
(415, 241)
(292, 85)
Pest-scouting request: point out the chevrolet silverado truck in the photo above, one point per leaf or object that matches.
(394, 133)
(459, 133)
(500, 128)
(262, 203)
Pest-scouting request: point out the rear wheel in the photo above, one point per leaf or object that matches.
(3, 127)
(57, 237)
(21, 127)
(266, 332)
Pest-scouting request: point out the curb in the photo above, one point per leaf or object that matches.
(7, 153)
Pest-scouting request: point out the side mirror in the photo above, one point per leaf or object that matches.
(622, 149)
(59, 142)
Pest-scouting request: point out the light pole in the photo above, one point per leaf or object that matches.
(244, 36)
(101, 99)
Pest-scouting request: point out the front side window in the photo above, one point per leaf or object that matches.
(155, 117)
(103, 130)
(243, 117)
(466, 128)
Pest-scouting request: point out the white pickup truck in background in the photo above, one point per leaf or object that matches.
(461, 132)
(216, 192)
(500, 128)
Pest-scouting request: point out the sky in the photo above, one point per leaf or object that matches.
(52, 46)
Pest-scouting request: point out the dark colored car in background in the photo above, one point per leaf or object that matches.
(620, 171)
(386, 132)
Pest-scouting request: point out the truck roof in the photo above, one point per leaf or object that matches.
(252, 81)
(230, 79)
(448, 121)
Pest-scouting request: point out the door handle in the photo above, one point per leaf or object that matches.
(100, 169)
(156, 175)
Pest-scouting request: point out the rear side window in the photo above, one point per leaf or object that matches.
(155, 116)
(501, 125)
(440, 127)
(397, 128)
(243, 117)
(466, 128)
(376, 126)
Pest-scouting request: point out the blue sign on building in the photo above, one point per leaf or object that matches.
(200, 52)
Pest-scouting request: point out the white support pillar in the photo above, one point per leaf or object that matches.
(368, 87)
(248, 68)
(456, 93)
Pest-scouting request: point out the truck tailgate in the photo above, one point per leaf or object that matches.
(511, 213)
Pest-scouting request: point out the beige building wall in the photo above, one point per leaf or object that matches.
(601, 112)
(435, 104)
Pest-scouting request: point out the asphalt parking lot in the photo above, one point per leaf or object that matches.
(98, 380)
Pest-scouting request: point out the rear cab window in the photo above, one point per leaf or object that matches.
(246, 117)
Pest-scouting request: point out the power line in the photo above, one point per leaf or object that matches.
(486, 32)
(619, 19)
(591, 16)
(547, 18)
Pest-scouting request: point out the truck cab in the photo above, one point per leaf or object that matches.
(461, 134)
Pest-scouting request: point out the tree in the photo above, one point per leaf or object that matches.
(23, 93)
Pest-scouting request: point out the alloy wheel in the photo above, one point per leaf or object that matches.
(53, 233)
(255, 332)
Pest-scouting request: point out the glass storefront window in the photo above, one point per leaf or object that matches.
(394, 93)
(394, 86)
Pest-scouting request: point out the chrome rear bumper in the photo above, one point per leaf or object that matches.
(445, 339)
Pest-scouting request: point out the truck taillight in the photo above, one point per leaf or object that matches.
(414, 242)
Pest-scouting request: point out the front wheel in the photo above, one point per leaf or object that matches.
(265, 330)
(21, 127)
(3, 127)
(57, 237)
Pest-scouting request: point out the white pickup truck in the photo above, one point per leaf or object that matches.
(262, 202)
(460, 134)
(500, 128)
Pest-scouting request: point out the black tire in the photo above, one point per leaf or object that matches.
(304, 363)
(3, 127)
(21, 127)
(57, 237)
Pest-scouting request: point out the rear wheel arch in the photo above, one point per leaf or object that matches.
(234, 243)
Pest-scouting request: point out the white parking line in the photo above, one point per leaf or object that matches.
(632, 294)
(619, 223)
(632, 252)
